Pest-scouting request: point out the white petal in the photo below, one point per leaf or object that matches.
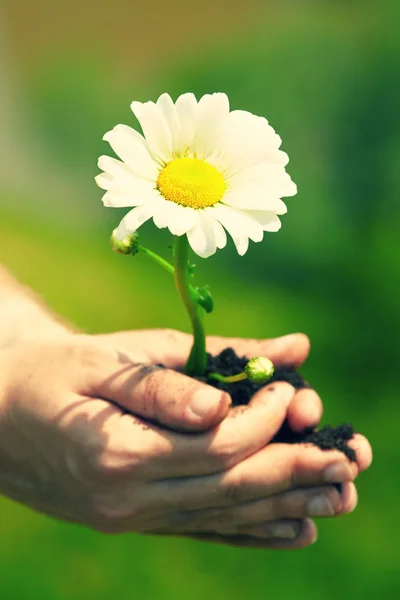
(212, 120)
(279, 158)
(156, 131)
(117, 175)
(268, 220)
(121, 232)
(170, 113)
(219, 232)
(186, 108)
(124, 183)
(262, 173)
(116, 200)
(202, 237)
(240, 237)
(178, 219)
(114, 167)
(237, 222)
(253, 199)
(131, 147)
(104, 180)
(290, 188)
(139, 215)
(259, 187)
(120, 182)
(281, 208)
(241, 243)
(250, 140)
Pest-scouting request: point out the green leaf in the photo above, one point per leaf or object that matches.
(204, 298)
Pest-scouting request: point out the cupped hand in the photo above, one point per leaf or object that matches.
(171, 349)
(79, 441)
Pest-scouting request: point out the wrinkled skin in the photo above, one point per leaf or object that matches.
(91, 431)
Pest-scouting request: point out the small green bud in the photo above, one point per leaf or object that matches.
(259, 369)
(204, 298)
(124, 242)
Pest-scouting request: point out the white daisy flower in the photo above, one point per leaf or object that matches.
(198, 169)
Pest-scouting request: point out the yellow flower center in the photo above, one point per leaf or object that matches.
(191, 182)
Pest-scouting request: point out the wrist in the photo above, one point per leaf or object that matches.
(23, 321)
(23, 315)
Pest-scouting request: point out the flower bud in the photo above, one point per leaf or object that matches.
(259, 369)
(124, 242)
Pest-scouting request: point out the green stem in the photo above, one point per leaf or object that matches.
(229, 378)
(197, 362)
(165, 264)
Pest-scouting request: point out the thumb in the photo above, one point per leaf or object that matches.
(161, 395)
(279, 395)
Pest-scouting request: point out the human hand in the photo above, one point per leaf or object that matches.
(171, 349)
(69, 450)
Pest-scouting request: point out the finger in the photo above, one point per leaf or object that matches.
(273, 470)
(288, 529)
(171, 348)
(304, 411)
(289, 350)
(166, 455)
(311, 502)
(240, 435)
(363, 451)
(283, 529)
(160, 395)
(306, 537)
(295, 504)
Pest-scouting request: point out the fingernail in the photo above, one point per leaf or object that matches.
(320, 506)
(338, 473)
(285, 531)
(206, 400)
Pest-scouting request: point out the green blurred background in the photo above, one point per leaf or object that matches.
(326, 74)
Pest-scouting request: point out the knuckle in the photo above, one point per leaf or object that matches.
(296, 472)
(289, 504)
(112, 517)
(181, 521)
(207, 520)
(224, 521)
(150, 377)
(172, 334)
(87, 354)
(233, 492)
(114, 462)
(225, 455)
(105, 466)
(176, 337)
(334, 499)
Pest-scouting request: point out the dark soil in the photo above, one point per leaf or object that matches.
(327, 438)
